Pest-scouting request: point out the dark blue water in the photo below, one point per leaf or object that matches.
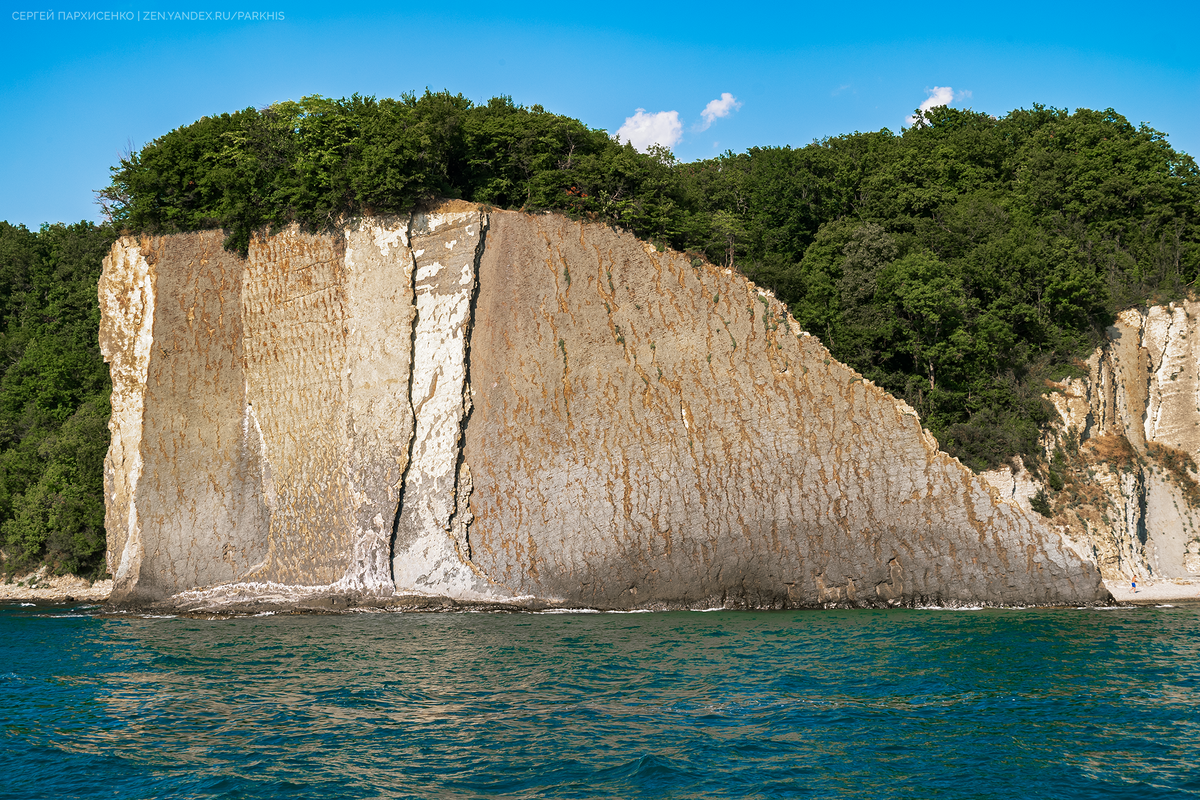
(945, 704)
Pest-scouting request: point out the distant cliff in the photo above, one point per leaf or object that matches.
(501, 408)
(1121, 459)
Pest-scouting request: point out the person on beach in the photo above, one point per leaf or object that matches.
(1134, 586)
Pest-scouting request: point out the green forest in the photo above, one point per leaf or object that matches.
(959, 264)
(54, 395)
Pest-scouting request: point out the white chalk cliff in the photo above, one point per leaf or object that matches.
(1129, 441)
(495, 407)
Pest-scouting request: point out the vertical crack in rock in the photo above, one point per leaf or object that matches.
(412, 413)
(254, 440)
(461, 519)
(379, 278)
(425, 559)
(1142, 533)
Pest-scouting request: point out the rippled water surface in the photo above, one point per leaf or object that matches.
(1084, 703)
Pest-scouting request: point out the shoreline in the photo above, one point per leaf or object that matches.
(1152, 592)
(38, 585)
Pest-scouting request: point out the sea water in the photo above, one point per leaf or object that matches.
(905, 703)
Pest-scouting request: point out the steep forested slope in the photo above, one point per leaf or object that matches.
(53, 397)
(962, 263)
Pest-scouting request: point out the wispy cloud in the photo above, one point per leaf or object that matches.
(939, 96)
(723, 106)
(645, 129)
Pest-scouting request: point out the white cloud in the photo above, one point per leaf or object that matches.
(723, 106)
(644, 129)
(939, 96)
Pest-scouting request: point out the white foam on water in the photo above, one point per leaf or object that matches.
(961, 608)
(569, 611)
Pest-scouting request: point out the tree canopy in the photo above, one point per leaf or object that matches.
(54, 397)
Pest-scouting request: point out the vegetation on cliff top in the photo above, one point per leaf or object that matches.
(958, 264)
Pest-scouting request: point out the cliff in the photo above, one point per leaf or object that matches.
(1127, 442)
(493, 407)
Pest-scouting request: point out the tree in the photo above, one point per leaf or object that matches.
(53, 397)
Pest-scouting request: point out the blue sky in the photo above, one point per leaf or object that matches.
(78, 93)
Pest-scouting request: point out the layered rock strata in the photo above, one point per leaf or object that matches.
(495, 407)
(1129, 435)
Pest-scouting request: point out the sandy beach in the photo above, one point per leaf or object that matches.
(40, 585)
(1155, 591)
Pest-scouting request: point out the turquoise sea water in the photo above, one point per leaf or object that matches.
(905, 703)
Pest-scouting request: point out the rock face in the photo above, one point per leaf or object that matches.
(1131, 431)
(496, 407)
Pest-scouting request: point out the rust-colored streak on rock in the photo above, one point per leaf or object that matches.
(263, 420)
(711, 455)
(1126, 444)
(199, 508)
(538, 409)
(295, 329)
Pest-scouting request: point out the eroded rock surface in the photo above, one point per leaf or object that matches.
(496, 407)
(429, 558)
(263, 420)
(184, 505)
(1129, 435)
(648, 431)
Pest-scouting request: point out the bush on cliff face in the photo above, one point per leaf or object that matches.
(54, 392)
(958, 264)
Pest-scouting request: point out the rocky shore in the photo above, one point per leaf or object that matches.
(41, 585)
